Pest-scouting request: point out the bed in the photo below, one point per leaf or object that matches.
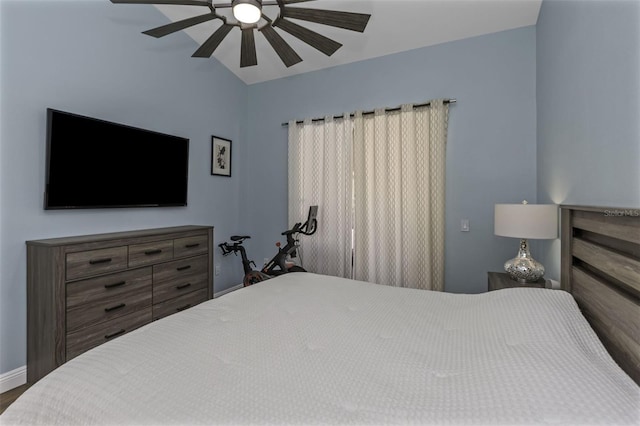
(304, 348)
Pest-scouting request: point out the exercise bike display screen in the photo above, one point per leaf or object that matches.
(313, 213)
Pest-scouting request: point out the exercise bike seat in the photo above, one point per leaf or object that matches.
(239, 237)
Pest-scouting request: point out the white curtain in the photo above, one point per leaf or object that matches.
(378, 180)
(320, 174)
(399, 191)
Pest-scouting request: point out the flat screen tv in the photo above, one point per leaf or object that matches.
(93, 163)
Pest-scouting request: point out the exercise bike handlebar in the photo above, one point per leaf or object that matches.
(225, 247)
(303, 229)
(296, 228)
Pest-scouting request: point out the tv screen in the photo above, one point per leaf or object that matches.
(93, 163)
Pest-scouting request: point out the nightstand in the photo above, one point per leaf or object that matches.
(500, 280)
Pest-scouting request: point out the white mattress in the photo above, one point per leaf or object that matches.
(310, 349)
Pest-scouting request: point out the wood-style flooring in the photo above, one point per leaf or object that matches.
(7, 398)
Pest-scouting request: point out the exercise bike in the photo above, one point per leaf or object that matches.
(279, 264)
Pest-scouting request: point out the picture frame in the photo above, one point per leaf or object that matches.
(220, 156)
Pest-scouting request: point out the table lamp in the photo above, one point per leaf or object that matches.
(525, 221)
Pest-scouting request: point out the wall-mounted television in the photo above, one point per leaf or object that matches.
(93, 163)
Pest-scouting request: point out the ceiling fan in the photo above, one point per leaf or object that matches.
(249, 16)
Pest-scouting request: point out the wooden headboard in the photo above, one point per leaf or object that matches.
(601, 269)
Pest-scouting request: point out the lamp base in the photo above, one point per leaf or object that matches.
(524, 268)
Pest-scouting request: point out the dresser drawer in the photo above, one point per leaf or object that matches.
(190, 246)
(84, 339)
(105, 287)
(94, 262)
(178, 304)
(100, 299)
(149, 253)
(180, 276)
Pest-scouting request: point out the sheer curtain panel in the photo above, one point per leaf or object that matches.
(320, 174)
(399, 193)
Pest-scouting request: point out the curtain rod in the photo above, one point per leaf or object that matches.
(446, 101)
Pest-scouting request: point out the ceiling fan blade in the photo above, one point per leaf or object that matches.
(177, 2)
(312, 38)
(295, 1)
(179, 25)
(286, 53)
(212, 43)
(248, 56)
(347, 20)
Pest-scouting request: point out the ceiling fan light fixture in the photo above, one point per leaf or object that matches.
(247, 11)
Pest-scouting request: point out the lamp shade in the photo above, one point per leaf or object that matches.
(535, 221)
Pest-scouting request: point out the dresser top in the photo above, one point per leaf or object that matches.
(80, 239)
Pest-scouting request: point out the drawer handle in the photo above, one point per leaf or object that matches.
(113, 308)
(150, 252)
(117, 333)
(115, 284)
(192, 245)
(182, 308)
(183, 268)
(97, 261)
(181, 286)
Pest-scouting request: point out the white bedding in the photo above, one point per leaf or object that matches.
(311, 349)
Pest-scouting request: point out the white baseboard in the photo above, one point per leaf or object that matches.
(229, 290)
(13, 379)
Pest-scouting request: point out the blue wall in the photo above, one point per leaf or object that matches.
(491, 153)
(588, 100)
(89, 57)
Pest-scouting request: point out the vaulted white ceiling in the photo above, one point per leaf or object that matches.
(395, 26)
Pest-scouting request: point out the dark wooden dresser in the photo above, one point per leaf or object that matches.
(85, 290)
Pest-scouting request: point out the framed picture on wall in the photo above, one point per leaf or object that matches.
(220, 156)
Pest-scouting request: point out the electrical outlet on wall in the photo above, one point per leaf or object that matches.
(217, 270)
